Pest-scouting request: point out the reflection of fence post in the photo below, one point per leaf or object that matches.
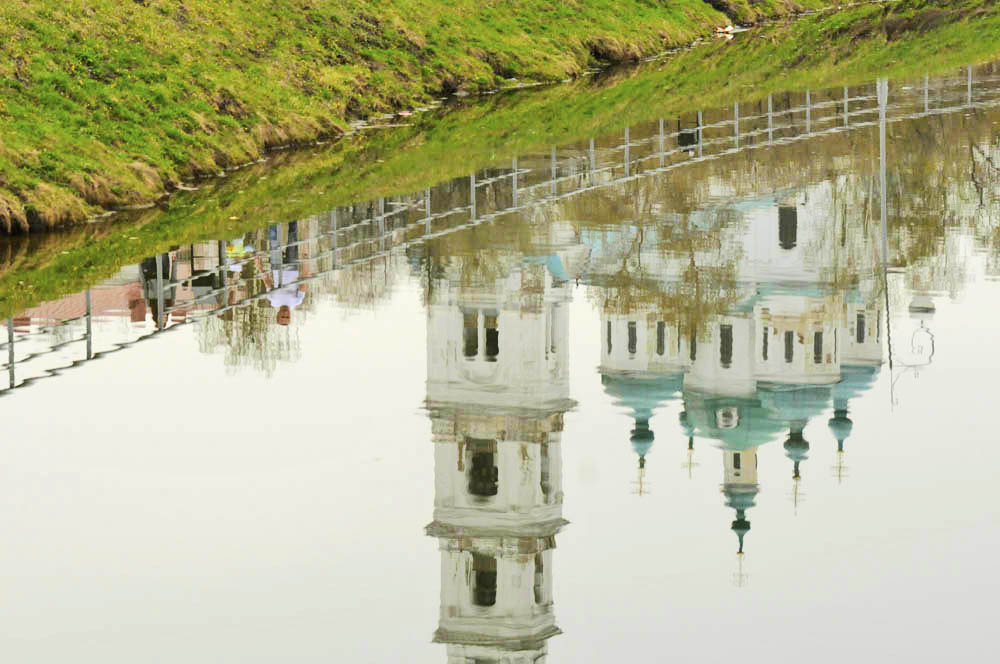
(808, 113)
(736, 124)
(628, 156)
(847, 112)
(334, 218)
(699, 134)
(662, 145)
(10, 350)
(159, 291)
(90, 328)
(593, 160)
(472, 197)
(927, 94)
(552, 181)
(969, 85)
(770, 119)
(513, 166)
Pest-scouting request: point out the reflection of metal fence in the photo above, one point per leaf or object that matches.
(362, 233)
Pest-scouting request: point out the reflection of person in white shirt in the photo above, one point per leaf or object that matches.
(284, 293)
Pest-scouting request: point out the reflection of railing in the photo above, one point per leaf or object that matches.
(359, 234)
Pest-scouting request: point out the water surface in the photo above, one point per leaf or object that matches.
(715, 386)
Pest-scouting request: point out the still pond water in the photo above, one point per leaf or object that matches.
(716, 387)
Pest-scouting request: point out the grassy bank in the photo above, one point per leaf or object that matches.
(474, 134)
(106, 104)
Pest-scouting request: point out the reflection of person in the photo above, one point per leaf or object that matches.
(284, 293)
(149, 286)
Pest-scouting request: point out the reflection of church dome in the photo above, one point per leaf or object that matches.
(741, 498)
(642, 395)
(796, 449)
(856, 379)
(736, 423)
(794, 403)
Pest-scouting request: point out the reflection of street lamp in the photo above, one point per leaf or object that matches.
(922, 344)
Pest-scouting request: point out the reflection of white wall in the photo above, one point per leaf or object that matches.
(647, 330)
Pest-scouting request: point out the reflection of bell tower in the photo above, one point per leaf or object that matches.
(497, 391)
(740, 487)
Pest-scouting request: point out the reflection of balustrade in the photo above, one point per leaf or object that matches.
(396, 223)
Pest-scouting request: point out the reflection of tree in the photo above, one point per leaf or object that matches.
(661, 260)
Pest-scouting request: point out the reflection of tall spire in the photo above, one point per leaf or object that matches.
(740, 488)
(796, 449)
(689, 432)
(642, 440)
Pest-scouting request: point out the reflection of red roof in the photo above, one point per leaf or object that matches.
(116, 300)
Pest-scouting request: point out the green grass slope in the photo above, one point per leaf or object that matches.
(111, 103)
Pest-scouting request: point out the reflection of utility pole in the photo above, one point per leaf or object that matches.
(883, 101)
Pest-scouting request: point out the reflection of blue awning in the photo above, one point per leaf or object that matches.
(552, 263)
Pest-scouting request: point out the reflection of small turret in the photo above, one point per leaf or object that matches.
(796, 448)
(740, 488)
(689, 432)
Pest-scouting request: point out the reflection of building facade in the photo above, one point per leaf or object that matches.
(762, 366)
(497, 390)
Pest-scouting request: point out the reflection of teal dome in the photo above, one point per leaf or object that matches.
(794, 403)
(735, 423)
(855, 380)
(796, 449)
(642, 394)
(741, 498)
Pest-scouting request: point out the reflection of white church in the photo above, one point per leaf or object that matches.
(792, 343)
(497, 390)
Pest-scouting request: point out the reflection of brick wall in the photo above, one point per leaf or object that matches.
(111, 300)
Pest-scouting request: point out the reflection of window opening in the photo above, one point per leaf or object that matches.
(737, 462)
(539, 579)
(470, 333)
(544, 479)
(818, 348)
(552, 331)
(788, 223)
(484, 476)
(789, 346)
(726, 345)
(860, 332)
(632, 342)
(484, 581)
(661, 337)
(694, 345)
(492, 338)
(727, 418)
(765, 343)
(609, 337)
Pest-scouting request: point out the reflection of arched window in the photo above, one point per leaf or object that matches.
(694, 345)
(609, 337)
(737, 461)
(632, 337)
(726, 346)
(484, 580)
(789, 346)
(860, 332)
(727, 418)
(788, 226)
(818, 348)
(484, 476)
(492, 338)
(765, 344)
(661, 337)
(539, 579)
(470, 333)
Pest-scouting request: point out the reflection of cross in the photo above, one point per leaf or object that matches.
(690, 462)
(840, 468)
(640, 482)
(796, 494)
(740, 577)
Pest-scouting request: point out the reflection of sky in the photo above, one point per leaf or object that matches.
(262, 520)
